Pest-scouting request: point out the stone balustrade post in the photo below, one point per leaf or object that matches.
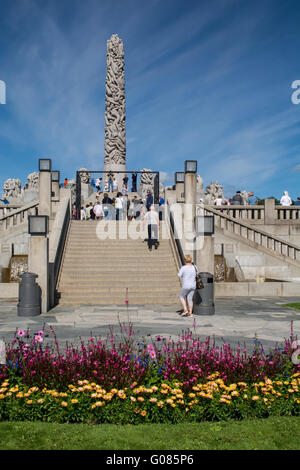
(269, 211)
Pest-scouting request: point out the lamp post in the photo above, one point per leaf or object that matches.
(45, 207)
(190, 189)
(179, 183)
(204, 302)
(55, 178)
(38, 254)
(205, 228)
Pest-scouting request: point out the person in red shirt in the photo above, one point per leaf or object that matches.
(66, 182)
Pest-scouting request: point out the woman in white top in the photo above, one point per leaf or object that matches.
(187, 274)
(98, 210)
(286, 200)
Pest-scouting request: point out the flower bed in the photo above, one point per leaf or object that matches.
(123, 380)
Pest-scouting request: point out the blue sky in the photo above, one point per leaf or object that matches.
(205, 80)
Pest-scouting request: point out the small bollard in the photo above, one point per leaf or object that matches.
(30, 296)
(204, 298)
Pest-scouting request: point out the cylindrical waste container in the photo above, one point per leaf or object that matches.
(30, 296)
(204, 298)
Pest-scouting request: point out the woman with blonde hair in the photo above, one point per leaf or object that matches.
(187, 275)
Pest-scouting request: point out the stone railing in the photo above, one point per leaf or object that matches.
(267, 213)
(266, 241)
(288, 213)
(18, 216)
(174, 239)
(241, 212)
(5, 209)
(57, 241)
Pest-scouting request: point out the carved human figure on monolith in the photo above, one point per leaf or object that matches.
(115, 134)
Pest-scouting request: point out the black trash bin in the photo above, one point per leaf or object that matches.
(204, 298)
(30, 296)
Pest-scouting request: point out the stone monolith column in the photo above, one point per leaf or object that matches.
(115, 135)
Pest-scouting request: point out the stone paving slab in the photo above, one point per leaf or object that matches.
(236, 320)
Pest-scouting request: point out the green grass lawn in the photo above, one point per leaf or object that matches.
(296, 305)
(275, 433)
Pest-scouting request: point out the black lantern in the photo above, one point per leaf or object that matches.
(205, 225)
(44, 164)
(55, 176)
(38, 225)
(190, 166)
(179, 177)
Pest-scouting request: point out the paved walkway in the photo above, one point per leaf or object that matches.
(235, 320)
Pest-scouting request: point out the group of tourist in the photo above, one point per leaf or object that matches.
(122, 208)
(238, 200)
(111, 184)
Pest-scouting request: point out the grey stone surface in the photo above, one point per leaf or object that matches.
(235, 321)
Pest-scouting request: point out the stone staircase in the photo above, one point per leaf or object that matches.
(107, 271)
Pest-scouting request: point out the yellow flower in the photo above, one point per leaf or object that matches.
(235, 394)
(133, 399)
(140, 399)
(74, 400)
(255, 398)
(29, 402)
(245, 397)
(290, 390)
(64, 403)
(153, 400)
(2, 396)
(192, 395)
(160, 404)
(99, 403)
(40, 401)
(143, 413)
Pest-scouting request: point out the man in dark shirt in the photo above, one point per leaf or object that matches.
(149, 200)
(108, 208)
(297, 203)
(237, 199)
(134, 178)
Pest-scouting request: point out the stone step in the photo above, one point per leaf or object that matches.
(119, 290)
(108, 277)
(118, 300)
(126, 268)
(148, 256)
(122, 284)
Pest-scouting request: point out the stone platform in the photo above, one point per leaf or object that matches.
(235, 321)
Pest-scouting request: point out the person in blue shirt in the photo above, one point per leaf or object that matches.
(5, 201)
(297, 203)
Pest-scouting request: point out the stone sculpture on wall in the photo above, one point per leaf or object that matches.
(12, 188)
(213, 191)
(33, 182)
(85, 176)
(115, 135)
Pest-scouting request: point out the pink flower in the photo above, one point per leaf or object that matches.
(38, 338)
(40, 333)
(21, 333)
(152, 354)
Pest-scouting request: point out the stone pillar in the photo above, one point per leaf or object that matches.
(179, 192)
(45, 207)
(55, 191)
(115, 135)
(189, 214)
(38, 263)
(269, 217)
(205, 257)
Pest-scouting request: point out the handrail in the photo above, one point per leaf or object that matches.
(174, 235)
(18, 215)
(292, 250)
(57, 244)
